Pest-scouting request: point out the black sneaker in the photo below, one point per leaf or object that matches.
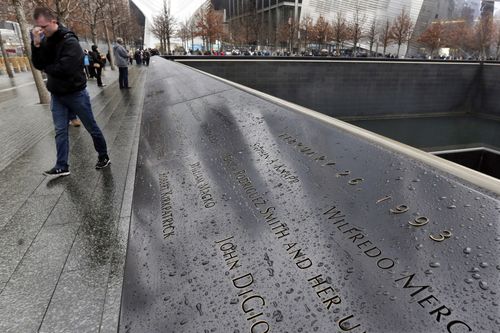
(56, 172)
(102, 163)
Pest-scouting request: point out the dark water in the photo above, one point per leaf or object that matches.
(435, 133)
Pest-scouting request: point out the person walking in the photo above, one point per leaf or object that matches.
(147, 56)
(138, 57)
(121, 60)
(86, 63)
(97, 63)
(57, 52)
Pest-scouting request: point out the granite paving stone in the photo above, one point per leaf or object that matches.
(29, 291)
(16, 237)
(58, 285)
(77, 309)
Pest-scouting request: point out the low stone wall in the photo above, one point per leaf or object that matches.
(360, 89)
(490, 90)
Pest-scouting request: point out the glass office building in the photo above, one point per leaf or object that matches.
(273, 13)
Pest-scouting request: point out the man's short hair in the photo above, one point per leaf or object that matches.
(45, 12)
(119, 40)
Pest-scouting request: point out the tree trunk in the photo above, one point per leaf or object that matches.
(168, 44)
(110, 50)
(93, 31)
(59, 11)
(43, 93)
(399, 47)
(6, 60)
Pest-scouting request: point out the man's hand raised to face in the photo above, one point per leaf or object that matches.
(37, 36)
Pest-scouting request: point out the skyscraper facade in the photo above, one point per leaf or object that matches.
(368, 11)
(274, 13)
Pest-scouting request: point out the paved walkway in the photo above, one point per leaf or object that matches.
(20, 110)
(62, 242)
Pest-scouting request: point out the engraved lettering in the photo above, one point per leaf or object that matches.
(330, 297)
(257, 324)
(407, 284)
(243, 281)
(441, 311)
(345, 326)
(243, 304)
(167, 219)
(203, 186)
(457, 322)
(229, 253)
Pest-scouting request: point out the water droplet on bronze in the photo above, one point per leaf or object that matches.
(483, 285)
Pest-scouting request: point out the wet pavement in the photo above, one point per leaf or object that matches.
(63, 240)
(23, 120)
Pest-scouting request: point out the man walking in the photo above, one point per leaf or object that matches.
(121, 59)
(56, 51)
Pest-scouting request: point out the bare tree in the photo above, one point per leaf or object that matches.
(460, 37)
(210, 25)
(356, 30)
(286, 34)
(372, 35)
(385, 36)
(6, 60)
(253, 22)
(63, 9)
(5, 13)
(92, 14)
(121, 22)
(340, 31)
(497, 39)
(193, 31)
(108, 42)
(163, 28)
(183, 33)
(306, 29)
(118, 14)
(43, 94)
(484, 35)
(401, 29)
(433, 37)
(322, 31)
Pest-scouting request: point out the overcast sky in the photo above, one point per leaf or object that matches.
(181, 9)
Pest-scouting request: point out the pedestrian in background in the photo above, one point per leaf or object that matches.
(96, 63)
(86, 63)
(147, 56)
(57, 52)
(121, 59)
(138, 57)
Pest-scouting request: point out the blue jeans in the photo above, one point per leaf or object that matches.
(123, 77)
(78, 103)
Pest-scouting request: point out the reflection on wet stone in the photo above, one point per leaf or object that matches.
(272, 230)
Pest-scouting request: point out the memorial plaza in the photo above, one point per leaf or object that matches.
(224, 203)
(344, 187)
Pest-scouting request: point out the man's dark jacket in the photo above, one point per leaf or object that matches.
(60, 56)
